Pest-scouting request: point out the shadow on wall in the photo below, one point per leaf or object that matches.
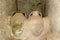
(26, 6)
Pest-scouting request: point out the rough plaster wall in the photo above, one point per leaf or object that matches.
(7, 7)
(27, 6)
(5, 29)
(53, 10)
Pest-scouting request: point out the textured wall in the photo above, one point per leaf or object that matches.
(7, 7)
(53, 10)
(27, 6)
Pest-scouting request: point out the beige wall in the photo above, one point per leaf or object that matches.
(7, 7)
(53, 10)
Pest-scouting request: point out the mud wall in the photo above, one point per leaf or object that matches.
(7, 7)
(53, 11)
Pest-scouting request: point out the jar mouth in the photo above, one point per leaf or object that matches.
(37, 33)
(18, 32)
